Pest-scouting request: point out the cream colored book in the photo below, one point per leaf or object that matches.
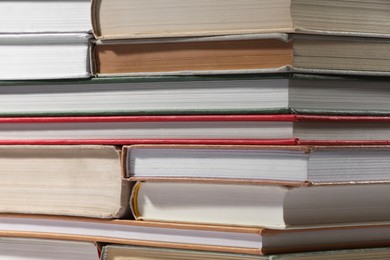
(63, 180)
(20, 248)
(276, 205)
(119, 19)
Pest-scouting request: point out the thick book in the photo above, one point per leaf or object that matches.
(250, 163)
(113, 252)
(63, 180)
(260, 203)
(243, 53)
(197, 129)
(45, 16)
(232, 239)
(20, 248)
(223, 94)
(44, 56)
(117, 19)
(238, 94)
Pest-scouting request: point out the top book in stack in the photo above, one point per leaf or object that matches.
(43, 16)
(44, 39)
(124, 19)
(138, 38)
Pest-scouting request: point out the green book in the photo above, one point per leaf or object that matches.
(224, 94)
(116, 252)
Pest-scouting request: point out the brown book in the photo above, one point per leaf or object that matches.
(245, 53)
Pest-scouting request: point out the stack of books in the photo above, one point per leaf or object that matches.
(251, 129)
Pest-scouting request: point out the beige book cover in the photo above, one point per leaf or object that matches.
(74, 180)
(126, 19)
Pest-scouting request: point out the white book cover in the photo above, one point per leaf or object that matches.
(44, 56)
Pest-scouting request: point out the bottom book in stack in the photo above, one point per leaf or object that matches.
(19, 248)
(117, 252)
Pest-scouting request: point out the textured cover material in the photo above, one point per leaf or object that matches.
(63, 180)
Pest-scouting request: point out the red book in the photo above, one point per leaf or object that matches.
(205, 129)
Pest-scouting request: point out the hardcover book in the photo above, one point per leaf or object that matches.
(232, 239)
(223, 94)
(197, 129)
(250, 163)
(44, 56)
(63, 180)
(243, 54)
(266, 204)
(117, 19)
(269, 186)
(45, 16)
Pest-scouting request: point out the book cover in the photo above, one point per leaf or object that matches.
(255, 53)
(120, 19)
(66, 56)
(63, 180)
